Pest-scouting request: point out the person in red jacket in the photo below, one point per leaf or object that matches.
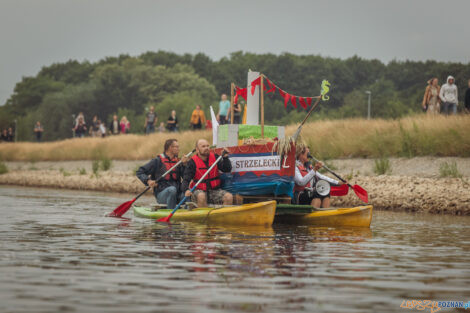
(209, 190)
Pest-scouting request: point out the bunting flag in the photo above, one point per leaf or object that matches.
(303, 101)
(240, 92)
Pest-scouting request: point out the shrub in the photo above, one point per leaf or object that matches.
(382, 166)
(449, 170)
(95, 166)
(106, 163)
(3, 168)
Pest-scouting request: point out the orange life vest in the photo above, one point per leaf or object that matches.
(169, 163)
(303, 171)
(201, 168)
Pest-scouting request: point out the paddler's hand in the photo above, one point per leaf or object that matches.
(225, 153)
(152, 183)
(184, 159)
(318, 166)
(188, 193)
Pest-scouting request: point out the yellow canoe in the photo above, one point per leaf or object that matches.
(252, 214)
(360, 216)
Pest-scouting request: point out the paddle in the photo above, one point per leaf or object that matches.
(167, 219)
(360, 192)
(123, 208)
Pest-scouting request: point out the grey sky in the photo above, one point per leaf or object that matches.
(36, 33)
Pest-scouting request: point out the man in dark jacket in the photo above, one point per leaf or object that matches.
(210, 187)
(166, 189)
(467, 99)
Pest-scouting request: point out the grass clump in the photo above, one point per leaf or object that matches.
(449, 170)
(95, 166)
(3, 168)
(82, 171)
(382, 166)
(106, 163)
(64, 172)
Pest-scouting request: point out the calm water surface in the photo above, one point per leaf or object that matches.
(59, 254)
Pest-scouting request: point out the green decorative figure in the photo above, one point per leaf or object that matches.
(325, 88)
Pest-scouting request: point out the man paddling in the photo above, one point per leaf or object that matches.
(209, 190)
(167, 189)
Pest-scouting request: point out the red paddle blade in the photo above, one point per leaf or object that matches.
(361, 193)
(122, 209)
(165, 219)
(339, 191)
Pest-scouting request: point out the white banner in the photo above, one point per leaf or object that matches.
(253, 164)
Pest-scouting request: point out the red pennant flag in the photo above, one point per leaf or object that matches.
(309, 101)
(241, 92)
(282, 92)
(271, 86)
(294, 101)
(255, 83)
(286, 99)
(235, 99)
(302, 102)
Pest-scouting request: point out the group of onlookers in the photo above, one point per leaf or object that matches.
(444, 99)
(7, 135)
(151, 120)
(98, 128)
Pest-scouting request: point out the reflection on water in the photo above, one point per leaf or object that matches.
(58, 253)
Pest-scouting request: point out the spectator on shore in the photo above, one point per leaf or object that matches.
(197, 118)
(4, 136)
(150, 121)
(95, 127)
(125, 125)
(172, 122)
(467, 99)
(102, 129)
(38, 129)
(224, 106)
(114, 126)
(431, 101)
(80, 116)
(161, 128)
(237, 110)
(449, 97)
(11, 135)
(80, 129)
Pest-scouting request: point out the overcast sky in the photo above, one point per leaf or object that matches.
(37, 33)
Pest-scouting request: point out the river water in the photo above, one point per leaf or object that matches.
(58, 253)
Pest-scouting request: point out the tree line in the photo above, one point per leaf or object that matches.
(128, 85)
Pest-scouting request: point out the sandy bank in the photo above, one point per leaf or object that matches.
(414, 184)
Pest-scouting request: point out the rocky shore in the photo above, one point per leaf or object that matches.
(414, 185)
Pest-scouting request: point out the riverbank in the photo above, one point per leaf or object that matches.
(414, 185)
(419, 135)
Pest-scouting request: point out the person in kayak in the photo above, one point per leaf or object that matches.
(167, 189)
(209, 190)
(305, 180)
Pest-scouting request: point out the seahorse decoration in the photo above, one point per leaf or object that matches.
(325, 88)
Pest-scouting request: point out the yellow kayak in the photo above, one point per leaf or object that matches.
(360, 216)
(252, 214)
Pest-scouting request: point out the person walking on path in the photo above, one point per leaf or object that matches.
(167, 189)
(80, 129)
(467, 99)
(237, 111)
(431, 101)
(172, 122)
(449, 97)
(197, 118)
(95, 127)
(151, 119)
(38, 129)
(209, 190)
(224, 106)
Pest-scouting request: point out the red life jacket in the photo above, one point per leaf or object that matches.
(212, 178)
(169, 163)
(303, 171)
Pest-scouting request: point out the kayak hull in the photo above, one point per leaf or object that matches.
(253, 214)
(360, 216)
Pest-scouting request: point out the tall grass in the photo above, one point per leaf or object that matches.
(410, 136)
